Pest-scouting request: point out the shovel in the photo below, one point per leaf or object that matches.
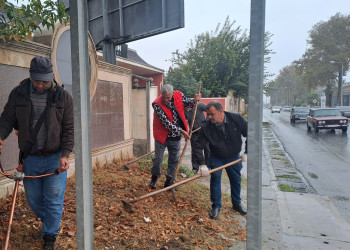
(127, 205)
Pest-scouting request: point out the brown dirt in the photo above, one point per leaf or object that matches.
(184, 224)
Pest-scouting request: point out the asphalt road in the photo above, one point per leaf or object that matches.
(323, 159)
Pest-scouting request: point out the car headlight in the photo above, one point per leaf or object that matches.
(343, 121)
(321, 122)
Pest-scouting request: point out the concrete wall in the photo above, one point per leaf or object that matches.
(111, 107)
(139, 120)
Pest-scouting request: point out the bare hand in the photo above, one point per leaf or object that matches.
(197, 97)
(1, 143)
(64, 165)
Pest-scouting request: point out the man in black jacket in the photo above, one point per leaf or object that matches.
(224, 132)
(49, 150)
(198, 121)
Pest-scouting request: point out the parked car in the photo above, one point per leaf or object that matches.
(298, 113)
(276, 109)
(286, 108)
(344, 110)
(326, 118)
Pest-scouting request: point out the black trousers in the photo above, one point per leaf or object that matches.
(195, 163)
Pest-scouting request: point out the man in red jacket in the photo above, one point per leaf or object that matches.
(169, 123)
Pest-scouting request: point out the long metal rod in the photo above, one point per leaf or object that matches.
(15, 191)
(256, 72)
(82, 131)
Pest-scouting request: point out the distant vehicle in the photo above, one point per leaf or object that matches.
(344, 110)
(276, 109)
(326, 118)
(298, 113)
(286, 108)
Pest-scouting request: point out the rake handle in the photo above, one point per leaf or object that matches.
(183, 182)
(139, 158)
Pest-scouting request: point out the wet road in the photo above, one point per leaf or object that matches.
(323, 158)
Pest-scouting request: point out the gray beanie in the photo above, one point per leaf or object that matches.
(41, 69)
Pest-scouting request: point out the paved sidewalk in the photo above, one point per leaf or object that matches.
(292, 220)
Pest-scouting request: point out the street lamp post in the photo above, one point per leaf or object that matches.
(340, 84)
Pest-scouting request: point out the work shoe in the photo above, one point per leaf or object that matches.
(240, 208)
(168, 182)
(49, 242)
(153, 183)
(214, 213)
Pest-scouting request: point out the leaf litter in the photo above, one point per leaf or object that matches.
(158, 222)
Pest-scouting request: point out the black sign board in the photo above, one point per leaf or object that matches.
(123, 21)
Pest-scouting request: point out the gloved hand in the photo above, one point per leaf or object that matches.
(244, 158)
(203, 170)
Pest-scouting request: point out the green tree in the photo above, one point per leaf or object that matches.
(219, 60)
(328, 41)
(18, 22)
(287, 88)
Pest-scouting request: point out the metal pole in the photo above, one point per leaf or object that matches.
(148, 113)
(82, 135)
(341, 84)
(256, 72)
(108, 46)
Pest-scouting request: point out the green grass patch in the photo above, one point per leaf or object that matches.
(188, 172)
(277, 152)
(286, 176)
(266, 124)
(276, 158)
(286, 188)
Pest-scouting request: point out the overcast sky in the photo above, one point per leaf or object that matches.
(288, 20)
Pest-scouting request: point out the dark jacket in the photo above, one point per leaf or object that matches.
(200, 117)
(222, 145)
(18, 113)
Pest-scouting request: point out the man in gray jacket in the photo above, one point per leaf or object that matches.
(48, 150)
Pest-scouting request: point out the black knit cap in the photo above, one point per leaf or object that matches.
(41, 69)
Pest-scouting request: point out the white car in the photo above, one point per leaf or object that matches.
(286, 108)
(276, 109)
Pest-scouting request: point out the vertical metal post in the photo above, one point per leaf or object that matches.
(82, 135)
(341, 83)
(121, 18)
(148, 114)
(108, 50)
(256, 72)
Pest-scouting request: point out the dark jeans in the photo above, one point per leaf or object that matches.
(195, 163)
(173, 157)
(234, 174)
